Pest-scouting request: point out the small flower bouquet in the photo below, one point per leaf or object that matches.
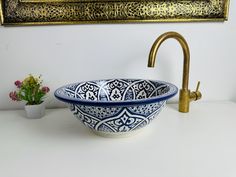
(30, 90)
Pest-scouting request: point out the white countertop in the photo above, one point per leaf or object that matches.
(201, 143)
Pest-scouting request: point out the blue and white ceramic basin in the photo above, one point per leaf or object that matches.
(116, 107)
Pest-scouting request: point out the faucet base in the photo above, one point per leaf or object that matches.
(184, 100)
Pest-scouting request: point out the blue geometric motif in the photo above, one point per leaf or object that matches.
(118, 119)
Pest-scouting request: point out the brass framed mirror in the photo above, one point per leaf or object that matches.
(40, 12)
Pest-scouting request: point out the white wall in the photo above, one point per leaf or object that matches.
(71, 53)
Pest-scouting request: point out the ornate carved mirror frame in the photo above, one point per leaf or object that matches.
(38, 12)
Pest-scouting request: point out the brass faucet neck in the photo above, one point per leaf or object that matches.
(184, 45)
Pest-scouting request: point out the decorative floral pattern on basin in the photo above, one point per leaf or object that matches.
(116, 105)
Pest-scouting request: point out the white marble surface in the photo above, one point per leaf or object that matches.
(201, 143)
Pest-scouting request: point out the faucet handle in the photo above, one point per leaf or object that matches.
(196, 95)
(198, 85)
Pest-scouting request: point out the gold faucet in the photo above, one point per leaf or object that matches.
(185, 95)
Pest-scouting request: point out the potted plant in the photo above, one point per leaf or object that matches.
(31, 91)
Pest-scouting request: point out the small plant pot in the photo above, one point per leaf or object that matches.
(35, 111)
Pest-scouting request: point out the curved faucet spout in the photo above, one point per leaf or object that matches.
(185, 95)
(184, 45)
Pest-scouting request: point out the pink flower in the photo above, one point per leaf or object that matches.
(14, 96)
(45, 89)
(18, 83)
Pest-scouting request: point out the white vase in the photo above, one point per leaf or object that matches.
(35, 111)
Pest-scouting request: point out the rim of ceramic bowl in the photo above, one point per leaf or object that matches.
(170, 93)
